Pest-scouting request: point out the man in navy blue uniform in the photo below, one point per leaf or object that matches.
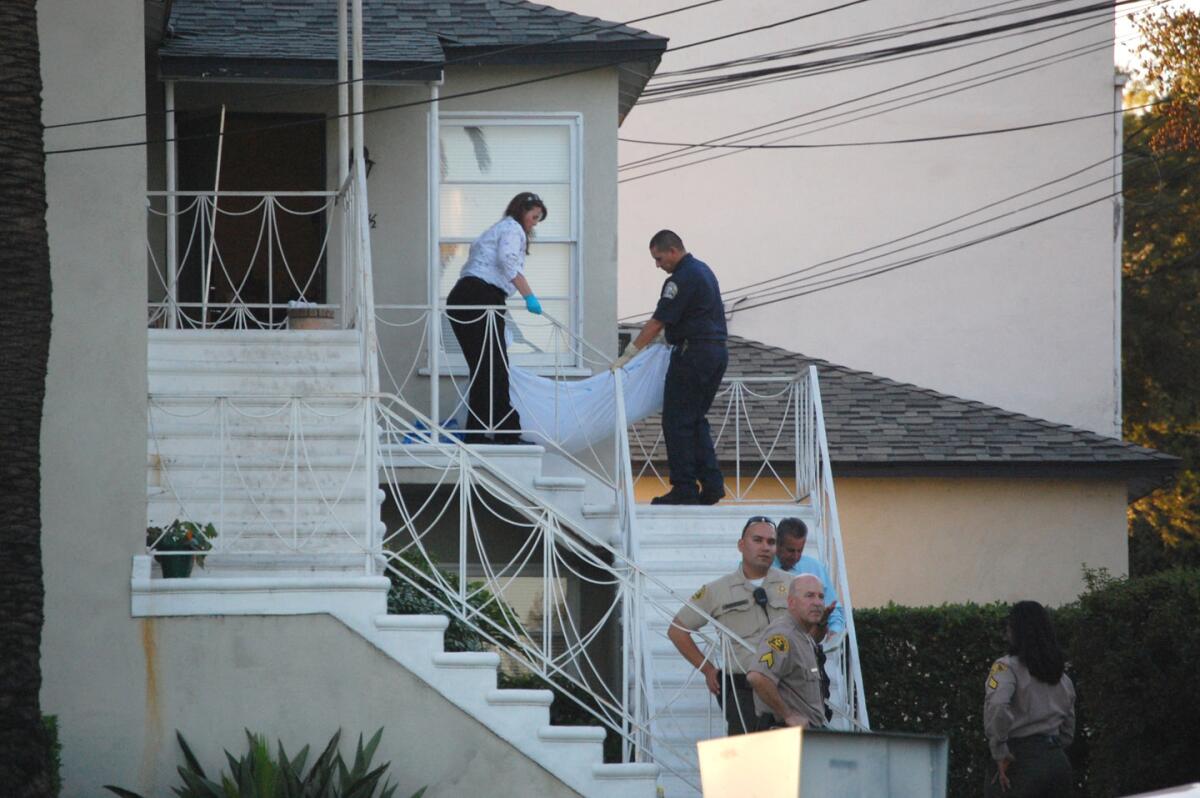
(692, 313)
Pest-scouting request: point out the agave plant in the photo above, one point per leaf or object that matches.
(259, 775)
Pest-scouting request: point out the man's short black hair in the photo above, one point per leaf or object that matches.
(792, 528)
(757, 519)
(666, 239)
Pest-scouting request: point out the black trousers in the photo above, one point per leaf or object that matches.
(484, 347)
(1040, 769)
(693, 377)
(738, 695)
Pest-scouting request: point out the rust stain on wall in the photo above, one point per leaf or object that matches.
(151, 729)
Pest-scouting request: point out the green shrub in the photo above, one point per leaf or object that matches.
(54, 746)
(1133, 648)
(1131, 645)
(259, 775)
(923, 671)
(404, 599)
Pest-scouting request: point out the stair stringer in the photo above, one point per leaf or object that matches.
(572, 754)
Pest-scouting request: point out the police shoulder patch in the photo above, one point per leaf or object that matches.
(998, 667)
(779, 643)
(768, 658)
(670, 290)
(699, 594)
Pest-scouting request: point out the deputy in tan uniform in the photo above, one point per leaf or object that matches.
(786, 675)
(1029, 710)
(745, 602)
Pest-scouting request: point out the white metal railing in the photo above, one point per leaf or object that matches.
(272, 474)
(316, 491)
(235, 259)
(764, 421)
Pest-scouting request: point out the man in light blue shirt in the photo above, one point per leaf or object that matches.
(792, 534)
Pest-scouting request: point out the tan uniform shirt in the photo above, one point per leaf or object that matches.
(730, 600)
(787, 655)
(1015, 704)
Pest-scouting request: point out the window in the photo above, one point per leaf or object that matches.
(485, 162)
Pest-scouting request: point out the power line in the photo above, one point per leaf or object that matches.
(819, 66)
(791, 280)
(881, 34)
(745, 134)
(406, 70)
(915, 140)
(396, 106)
(416, 103)
(685, 92)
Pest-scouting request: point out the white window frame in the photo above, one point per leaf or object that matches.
(454, 363)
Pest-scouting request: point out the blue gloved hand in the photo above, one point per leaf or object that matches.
(532, 305)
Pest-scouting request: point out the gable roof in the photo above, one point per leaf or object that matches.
(403, 40)
(880, 427)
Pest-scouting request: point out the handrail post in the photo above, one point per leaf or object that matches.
(433, 189)
(172, 213)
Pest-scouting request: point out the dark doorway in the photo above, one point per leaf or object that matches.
(255, 271)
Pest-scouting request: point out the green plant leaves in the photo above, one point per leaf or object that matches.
(258, 774)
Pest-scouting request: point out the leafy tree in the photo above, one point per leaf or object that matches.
(25, 333)
(1161, 346)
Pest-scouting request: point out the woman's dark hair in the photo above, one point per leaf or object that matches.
(1032, 640)
(521, 203)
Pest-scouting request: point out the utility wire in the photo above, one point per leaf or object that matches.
(741, 136)
(791, 280)
(764, 129)
(396, 106)
(814, 67)
(406, 70)
(915, 140)
(421, 102)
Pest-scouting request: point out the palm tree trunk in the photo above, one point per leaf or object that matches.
(24, 345)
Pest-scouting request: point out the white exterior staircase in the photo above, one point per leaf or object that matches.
(262, 434)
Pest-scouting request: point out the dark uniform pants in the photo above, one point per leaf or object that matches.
(486, 353)
(1040, 769)
(693, 377)
(738, 695)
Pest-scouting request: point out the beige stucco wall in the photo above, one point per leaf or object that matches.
(298, 679)
(920, 541)
(928, 541)
(397, 139)
(1026, 322)
(94, 427)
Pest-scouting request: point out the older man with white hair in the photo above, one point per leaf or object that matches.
(786, 675)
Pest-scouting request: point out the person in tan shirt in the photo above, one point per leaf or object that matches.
(745, 602)
(786, 675)
(1029, 710)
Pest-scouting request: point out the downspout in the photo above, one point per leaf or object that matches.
(433, 282)
(1119, 81)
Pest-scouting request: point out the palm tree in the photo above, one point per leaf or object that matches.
(24, 345)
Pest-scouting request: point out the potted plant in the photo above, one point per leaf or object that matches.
(180, 536)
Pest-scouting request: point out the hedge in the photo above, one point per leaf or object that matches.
(1131, 645)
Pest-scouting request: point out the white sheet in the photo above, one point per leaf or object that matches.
(581, 413)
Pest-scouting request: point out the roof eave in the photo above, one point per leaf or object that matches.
(270, 70)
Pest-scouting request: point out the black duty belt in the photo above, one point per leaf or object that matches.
(686, 342)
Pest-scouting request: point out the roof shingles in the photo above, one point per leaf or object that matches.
(871, 419)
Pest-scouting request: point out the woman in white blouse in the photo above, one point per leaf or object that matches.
(494, 269)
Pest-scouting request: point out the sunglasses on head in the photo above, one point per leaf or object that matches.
(758, 519)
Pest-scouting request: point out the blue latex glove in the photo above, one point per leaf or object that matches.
(532, 305)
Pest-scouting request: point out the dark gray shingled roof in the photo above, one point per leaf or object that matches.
(276, 39)
(877, 426)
